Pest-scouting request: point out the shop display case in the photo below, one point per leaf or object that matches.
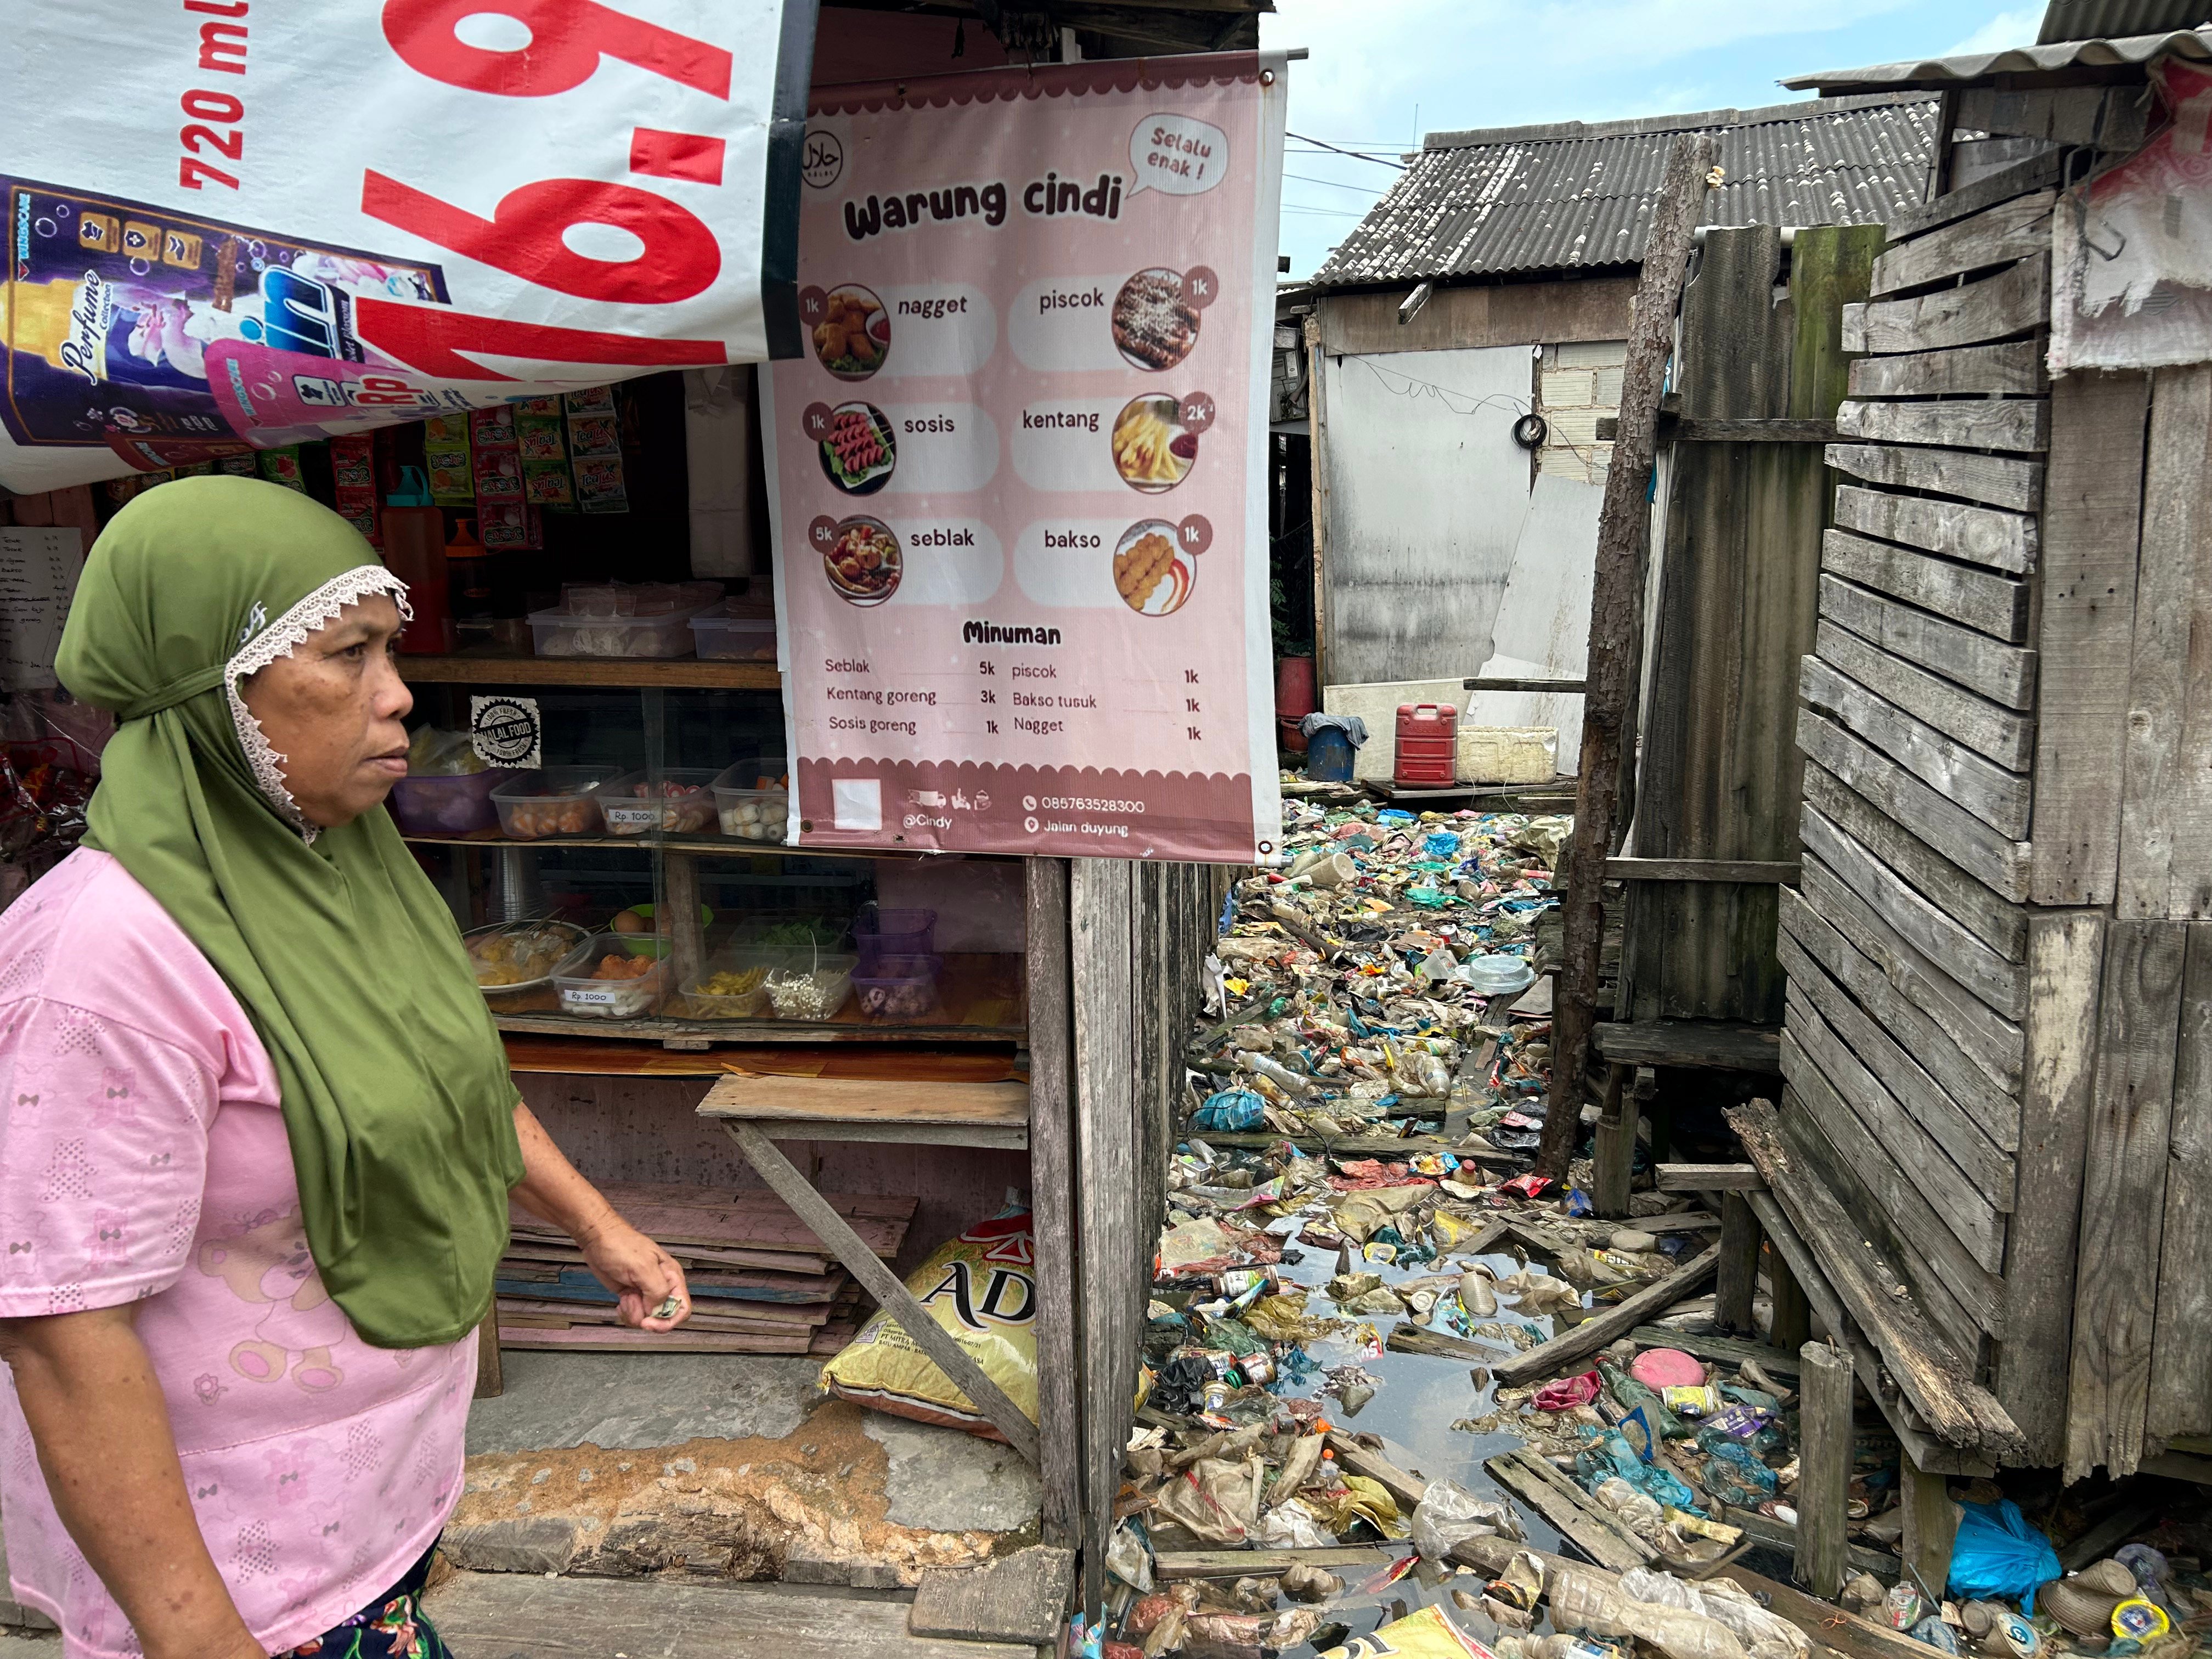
(636, 887)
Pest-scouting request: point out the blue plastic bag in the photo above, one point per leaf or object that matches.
(1998, 1557)
(1233, 1111)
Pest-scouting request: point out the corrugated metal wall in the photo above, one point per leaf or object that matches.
(1427, 492)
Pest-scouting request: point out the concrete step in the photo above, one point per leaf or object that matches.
(509, 1615)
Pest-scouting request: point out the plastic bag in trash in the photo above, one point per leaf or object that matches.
(1448, 1514)
(1233, 1111)
(1735, 1465)
(1639, 1513)
(1291, 1526)
(1424, 1635)
(1605, 1454)
(1567, 1392)
(1998, 1556)
(1763, 1634)
(1129, 1557)
(1935, 1633)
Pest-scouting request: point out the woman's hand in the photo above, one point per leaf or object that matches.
(627, 1262)
(639, 1272)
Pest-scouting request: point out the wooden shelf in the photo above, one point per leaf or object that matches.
(974, 1006)
(633, 673)
(724, 846)
(663, 1032)
(849, 1109)
(591, 1056)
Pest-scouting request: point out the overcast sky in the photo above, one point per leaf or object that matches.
(1385, 71)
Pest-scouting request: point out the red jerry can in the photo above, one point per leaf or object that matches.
(1428, 746)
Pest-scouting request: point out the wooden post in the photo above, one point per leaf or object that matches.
(1318, 470)
(1792, 1324)
(1739, 1266)
(1615, 1158)
(1824, 1468)
(1931, 1526)
(491, 1380)
(1052, 1200)
(1616, 628)
(679, 917)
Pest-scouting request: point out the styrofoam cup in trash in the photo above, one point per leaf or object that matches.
(1334, 871)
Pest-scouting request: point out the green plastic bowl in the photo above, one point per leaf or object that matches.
(653, 945)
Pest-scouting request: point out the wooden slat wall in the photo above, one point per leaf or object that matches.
(1739, 594)
(1999, 1015)
(1912, 997)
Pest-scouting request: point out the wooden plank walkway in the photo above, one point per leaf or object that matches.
(506, 1615)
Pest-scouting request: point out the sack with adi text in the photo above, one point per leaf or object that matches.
(982, 1288)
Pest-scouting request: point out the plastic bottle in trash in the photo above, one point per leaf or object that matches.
(1631, 1394)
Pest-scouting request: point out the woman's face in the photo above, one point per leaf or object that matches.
(333, 710)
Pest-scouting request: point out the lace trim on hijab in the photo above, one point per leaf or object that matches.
(279, 639)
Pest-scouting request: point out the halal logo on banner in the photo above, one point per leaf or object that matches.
(506, 731)
(822, 162)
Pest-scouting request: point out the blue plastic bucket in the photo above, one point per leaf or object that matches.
(1329, 757)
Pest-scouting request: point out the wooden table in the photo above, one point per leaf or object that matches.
(757, 1109)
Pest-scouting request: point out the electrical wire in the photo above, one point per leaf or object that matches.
(1398, 167)
(1308, 178)
(1416, 388)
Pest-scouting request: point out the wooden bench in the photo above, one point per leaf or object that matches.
(1624, 1045)
(948, 1114)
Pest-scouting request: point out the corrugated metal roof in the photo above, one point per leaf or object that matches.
(2115, 20)
(1938, 72)
(1570, 196)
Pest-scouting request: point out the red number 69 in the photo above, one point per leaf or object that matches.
(680, 257)
(568, 38)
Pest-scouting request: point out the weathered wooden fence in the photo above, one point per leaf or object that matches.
(1760, 373)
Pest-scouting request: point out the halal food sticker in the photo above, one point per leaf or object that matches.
(507, 732)
(1156, 563)
(858, 445)
(860, 558)
(1156, 439)
(850, 328)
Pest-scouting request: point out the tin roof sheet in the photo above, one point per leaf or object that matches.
(1572, 196)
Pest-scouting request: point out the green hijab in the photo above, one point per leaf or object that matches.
(398, 1102)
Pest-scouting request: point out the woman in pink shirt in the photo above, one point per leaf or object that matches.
(257, 1135)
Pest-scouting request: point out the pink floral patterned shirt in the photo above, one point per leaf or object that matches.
(143, 1158)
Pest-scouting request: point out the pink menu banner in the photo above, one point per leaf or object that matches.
(1019, 501)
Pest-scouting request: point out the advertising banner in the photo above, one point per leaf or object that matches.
(1019, 501)
(277, 224)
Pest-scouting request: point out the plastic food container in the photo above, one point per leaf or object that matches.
(557, 801)
(1497, 975)
(564, 634)
(783, 935)
(520, 956)
(878, 933)
(446, 806)
(598, 598)
(742, 977)
(680, 804)
(747, 812)
(898, 990)
(810, 987)
(722, 636)
(583, 993)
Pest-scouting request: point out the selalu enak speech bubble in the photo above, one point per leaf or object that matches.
(1178, 154)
